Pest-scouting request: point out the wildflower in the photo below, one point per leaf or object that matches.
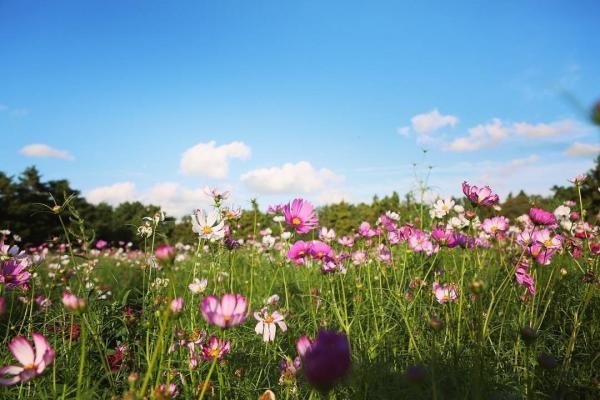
(226, 312)
(115, 360)
(266, 324)
(298, 251)
(326, 235)
(145, 230)
(176, 305)
(272, 300)
(43, 302)
(208, 225)
(32, 362)
(326, 360)
(319, 250)
(523, 278)
(215, 348)
(300, 215)
(347, 241)
(366, 231)
(441, 208)
(267, 395)
(72, 302)
(216, 194)
(13, 274)
(100, 244)
(540, 216)
(480, 196)
(495, 225)
(165, 253)
(578, 180)
(164, 392)
(445, 293)
(198, 285)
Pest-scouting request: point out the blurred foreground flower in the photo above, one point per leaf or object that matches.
(326, 360)
(32, 362)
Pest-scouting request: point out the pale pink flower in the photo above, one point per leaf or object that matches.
(226, 312)
(32, 362)
(72, 302)
(445, 293)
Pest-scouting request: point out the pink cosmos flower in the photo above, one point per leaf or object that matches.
(540, 216)
(176, 305)
(72, 302)
(165, 253)
(495, 225)
(32, 362)
(13, 274)
(320, 250)
(445, 293)
(365, 230)
(226, 312)
(100, 244)
(267, 322)
(523, 278)
(347, 241)
(326, 235)
(215, 348)
(300, 215)
(298, 251)
(480, 196)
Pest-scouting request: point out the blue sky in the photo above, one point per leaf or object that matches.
(324, 100)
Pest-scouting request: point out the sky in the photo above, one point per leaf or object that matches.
(153, 101)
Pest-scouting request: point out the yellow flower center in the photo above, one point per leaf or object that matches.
(548, 243)
(214, 353)
(207, 230)
(296, 221)
(268, 319)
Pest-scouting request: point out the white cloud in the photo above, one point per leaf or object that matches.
(583, 149)
(546, 130)
(113, 194)
(45, 151)
(432, 121)
(301, 177)
(404, 131)
(175, 199)
(206, 159)
(481, 136)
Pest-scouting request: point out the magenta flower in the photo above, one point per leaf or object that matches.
(300, 215)
(165, 253)
(215, 348)
(32, 362)
(226, 312)
(298, 251)
(326, 360)
(365, 230)
(13, 274)
(480, 196)
(100, 244)
(542, 217)
(523, 278)
(320, 250)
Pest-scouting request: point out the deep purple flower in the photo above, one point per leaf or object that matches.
(480, 196)
(300, 215)
(326, 360)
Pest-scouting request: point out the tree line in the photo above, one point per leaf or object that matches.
(26, 208)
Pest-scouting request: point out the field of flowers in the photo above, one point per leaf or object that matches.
(444, 304)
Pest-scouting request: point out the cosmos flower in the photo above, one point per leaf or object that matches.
(326, 360)
(445, 293)
(441, 208)
(480, 196)
(226, 312)
(13, 274)
(72, 302)
(267, 323)
(165, 253)
(100, 244)
(540, 216)
(32, 362)
(208, 225)
(523, 278)
(319, 250)
(298, 251)
(198, 285)
(300, 215)
(495, 225)
(215, 348)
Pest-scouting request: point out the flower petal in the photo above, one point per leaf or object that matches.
(22, 350)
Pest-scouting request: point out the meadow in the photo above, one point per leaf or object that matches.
(449, 301)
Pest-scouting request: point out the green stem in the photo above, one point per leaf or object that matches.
(207, 381)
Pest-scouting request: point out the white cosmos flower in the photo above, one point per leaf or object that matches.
(266, 324)
(198, 285)
(208, 225)
(441, 208)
